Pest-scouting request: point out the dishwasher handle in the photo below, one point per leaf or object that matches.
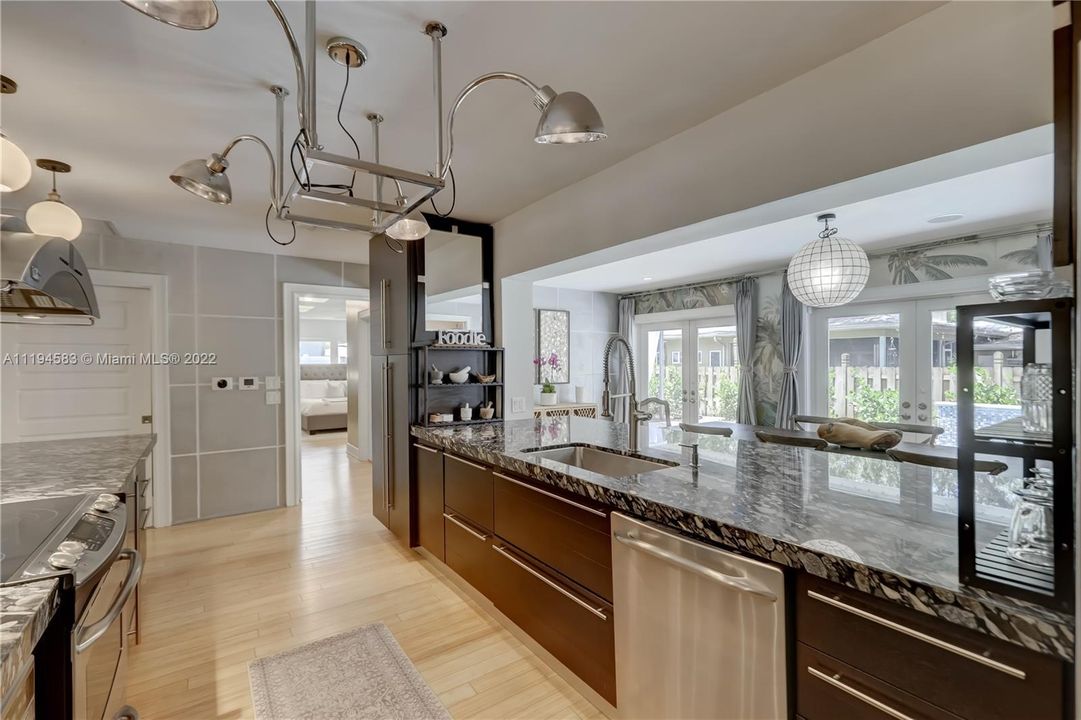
(736, 583)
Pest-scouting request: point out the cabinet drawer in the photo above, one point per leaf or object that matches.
(971, 675)
(571, 623)
(571, 535)
(467, 489)
(827, 689)
(468, 552)
(430, 501)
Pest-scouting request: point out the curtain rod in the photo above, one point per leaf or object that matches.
(959, 240)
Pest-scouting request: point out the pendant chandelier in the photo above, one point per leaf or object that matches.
(51, 216)
(14, 165)
(567, 117)
(829, 271)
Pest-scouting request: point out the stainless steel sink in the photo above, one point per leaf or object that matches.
(603, 462)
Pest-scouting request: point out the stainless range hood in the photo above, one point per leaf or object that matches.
(44, 280)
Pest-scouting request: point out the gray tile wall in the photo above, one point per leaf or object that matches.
(228, 455)
(594, 318)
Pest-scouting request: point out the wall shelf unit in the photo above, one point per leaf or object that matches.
(1046, 331)
(448, 397)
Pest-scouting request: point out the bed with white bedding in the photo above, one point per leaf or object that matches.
(323, 405)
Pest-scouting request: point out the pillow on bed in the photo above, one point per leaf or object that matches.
(335, 388)
(313, 389)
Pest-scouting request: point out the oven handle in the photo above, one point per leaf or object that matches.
(87, 636)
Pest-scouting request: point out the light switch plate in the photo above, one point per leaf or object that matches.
(273, 382)
(517, 405)
(273, 397)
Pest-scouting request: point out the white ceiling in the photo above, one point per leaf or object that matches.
(125, 99)
(1013, 194)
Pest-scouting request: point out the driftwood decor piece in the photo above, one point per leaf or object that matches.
(861, 435)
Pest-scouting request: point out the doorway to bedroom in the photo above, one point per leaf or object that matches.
(327, 408)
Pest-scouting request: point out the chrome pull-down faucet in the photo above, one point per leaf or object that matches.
(634, 412)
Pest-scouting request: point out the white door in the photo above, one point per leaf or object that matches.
(694, 365)
(896, 362)
(80, 398)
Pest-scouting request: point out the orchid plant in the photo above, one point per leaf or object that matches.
(552, 362)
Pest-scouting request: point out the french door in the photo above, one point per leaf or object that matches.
(693, 365)
(896, 362)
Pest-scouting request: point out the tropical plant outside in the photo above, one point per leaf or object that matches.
(722, 403)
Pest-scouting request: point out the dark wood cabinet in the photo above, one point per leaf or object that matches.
(390, 443)
(967, 674)
(428, 464)
(393, 288)
(828, 689)
(469, 553)
(573, 624)
(570, 534)
(468, 490)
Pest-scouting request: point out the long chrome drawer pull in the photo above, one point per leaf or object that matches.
(835, 681)
(929, 639)
(466, 462)
(732, 581)
(552, 495)
(425, 448)
(550, 583)
(465, 527)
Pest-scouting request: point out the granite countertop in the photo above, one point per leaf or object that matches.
(48, 468)
(25, 611)
(879, 526)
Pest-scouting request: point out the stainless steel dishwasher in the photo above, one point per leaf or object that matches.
(700, 632)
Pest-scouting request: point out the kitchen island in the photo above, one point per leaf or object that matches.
(880, 527)
(48, 468)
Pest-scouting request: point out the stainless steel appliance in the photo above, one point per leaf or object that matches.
(700, 632)
(80, 536)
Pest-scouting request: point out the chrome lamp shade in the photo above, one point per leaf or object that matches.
(411, 227)
(569, 117)
(205, 178)
(184, 14)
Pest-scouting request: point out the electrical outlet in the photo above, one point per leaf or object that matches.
(517, 405)
(221, 383)
(273, 397)
(273, 382)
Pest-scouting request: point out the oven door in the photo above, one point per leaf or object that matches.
(100, 643)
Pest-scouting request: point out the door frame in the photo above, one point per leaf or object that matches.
(688, 322)
(161, 456)
(912, 296)
(291, 387)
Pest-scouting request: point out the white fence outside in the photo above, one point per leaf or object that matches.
(943, 383)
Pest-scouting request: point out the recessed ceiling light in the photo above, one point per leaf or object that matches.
(647, 279)
(309, 299)
(951, 217)
(305, 308)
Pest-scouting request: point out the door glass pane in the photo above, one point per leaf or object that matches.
(999, 365)
(864, 367)
(664, 357)
(718, 373)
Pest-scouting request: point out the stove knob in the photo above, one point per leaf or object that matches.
(63, 560)
(103, 507)
(109, 499)
(72, 547)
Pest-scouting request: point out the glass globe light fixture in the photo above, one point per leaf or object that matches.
(51, 216)
(14, 165)
(829, 271)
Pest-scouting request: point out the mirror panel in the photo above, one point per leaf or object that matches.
(453, 282)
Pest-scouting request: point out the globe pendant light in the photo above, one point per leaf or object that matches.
(52, 217)
(14, 165)
(829, 271)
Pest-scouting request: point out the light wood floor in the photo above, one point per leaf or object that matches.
(219, 593)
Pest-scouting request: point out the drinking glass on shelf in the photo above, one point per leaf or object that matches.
(1031, 535)
(1037, 393)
